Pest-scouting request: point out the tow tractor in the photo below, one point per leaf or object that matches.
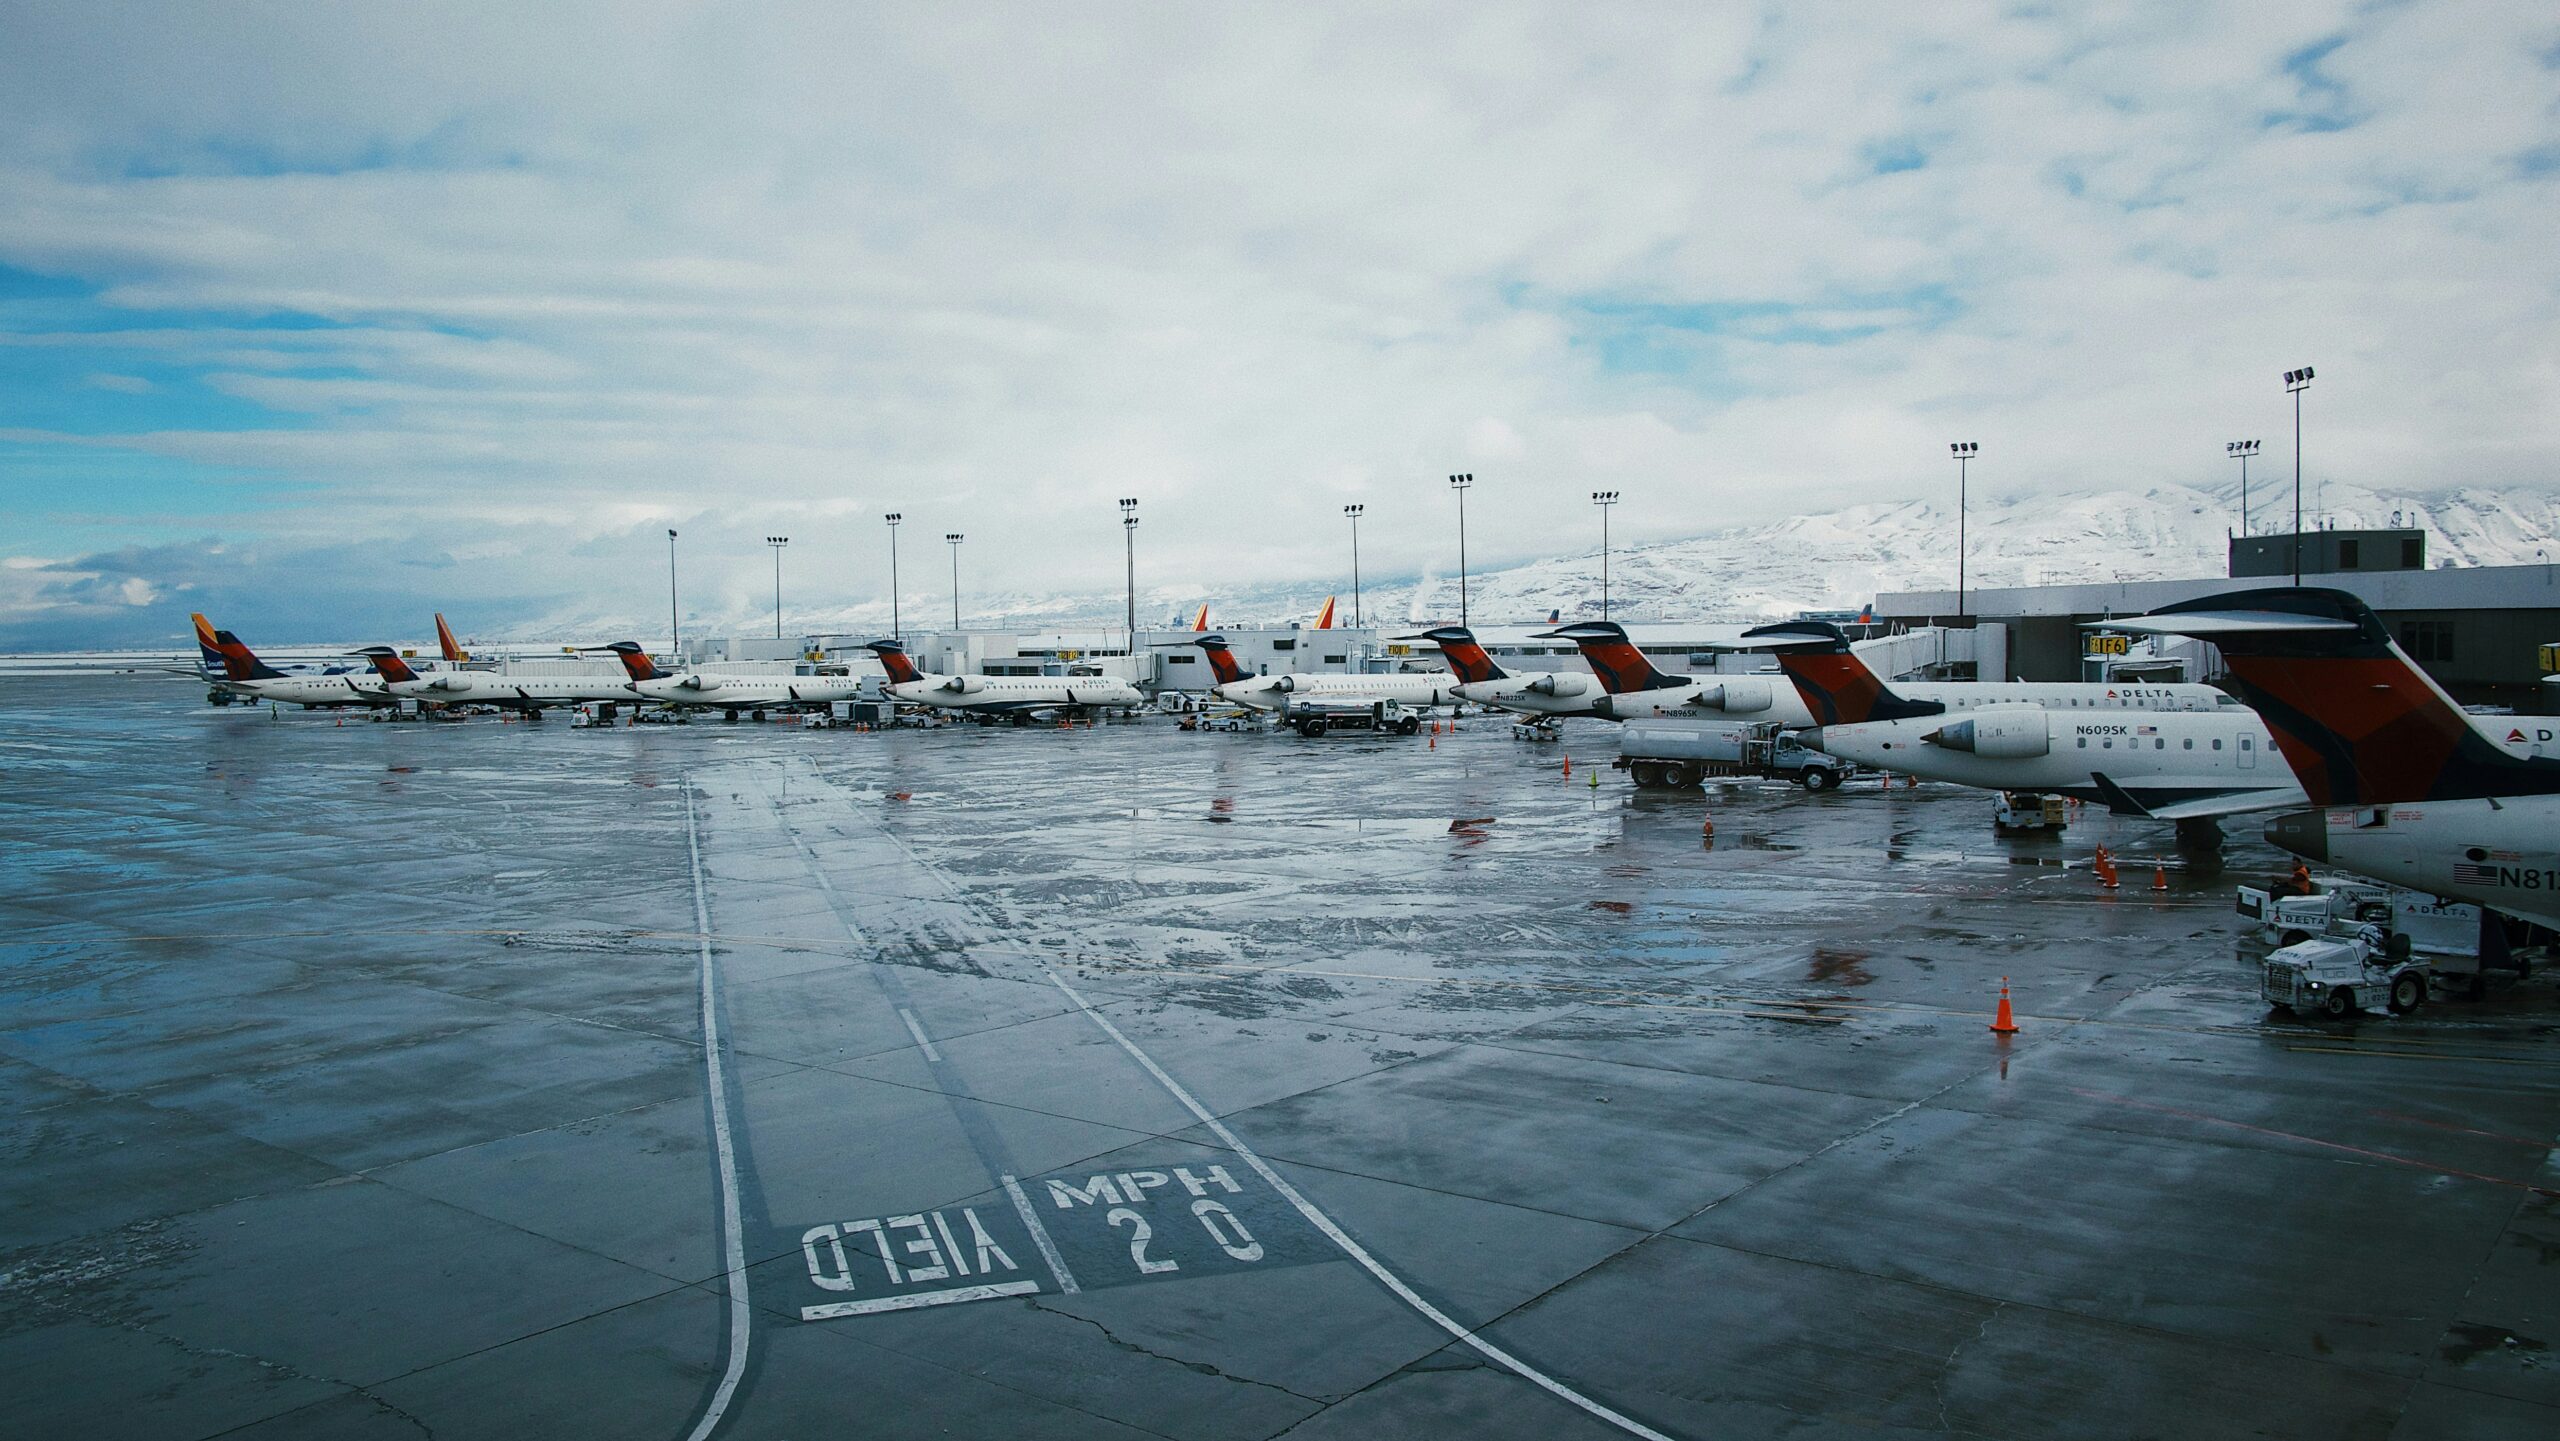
(2338, 976)
(1315, 717)
(2017, 811)
(2458, 943)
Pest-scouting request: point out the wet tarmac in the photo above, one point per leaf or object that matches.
(1128, 1082)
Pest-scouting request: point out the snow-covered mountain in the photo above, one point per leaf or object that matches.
(1834, 560)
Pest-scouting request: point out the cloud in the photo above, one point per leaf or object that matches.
(566, 276)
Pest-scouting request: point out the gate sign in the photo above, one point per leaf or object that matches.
(2109, 645)
(1058, 1234)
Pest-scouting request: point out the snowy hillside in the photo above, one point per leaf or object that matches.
(1836, 560)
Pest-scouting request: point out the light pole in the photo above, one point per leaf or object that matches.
(1354, 512)
(2296, 382)
(777, 542)
(1604, 499)
(675, 639)
(1129, 537)
(955, 538)
(1461, 484)
(2241, 450)
(895, 519)
(1964, 451)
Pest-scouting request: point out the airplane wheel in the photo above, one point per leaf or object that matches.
(729, 716)
(2408, 993)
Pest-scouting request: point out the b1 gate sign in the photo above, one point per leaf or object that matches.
(1059, 1234)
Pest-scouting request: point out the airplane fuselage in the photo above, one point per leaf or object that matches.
(1555, 693)
(1773, 698)
(738, 693)
(2501, 854)
(313, 691)
(1276, 692)
(2218, 762)
(1008, 694)
(510, 692)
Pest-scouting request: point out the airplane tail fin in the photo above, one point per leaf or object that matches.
(1837, 687)
(1200, 622)
(1324, 618)
(1466, 658)
(239, 662)
(2357, 720)
(1622, 668)
(1222, 661)
(208, 650)
(454, 654)
(894, 660)
(387, 662)
(635, 659)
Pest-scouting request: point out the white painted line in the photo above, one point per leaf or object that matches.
(733, 1240)
(1040, 1237)
(1338, 1236)
(952, 1297)
(917, 1031)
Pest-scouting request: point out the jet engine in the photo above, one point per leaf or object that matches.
(1285, 684)
(1738, 697)
(1562, 686)
(2021, 734)
(448, 683)
(964, 685)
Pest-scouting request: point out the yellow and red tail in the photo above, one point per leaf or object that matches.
(454, 654)
(1200, 622)
(220, 648)
(1324, 617)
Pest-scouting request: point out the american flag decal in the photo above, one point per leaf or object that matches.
(2467, 874)
(2146, 730)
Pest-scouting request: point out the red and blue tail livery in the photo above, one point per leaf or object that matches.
(895, 660)
(237, 661)
(2357, 720)
(1621, 667)
(1222, 661)
(1838, 688)
(635, 660)
(388, 664)
(1467, 660)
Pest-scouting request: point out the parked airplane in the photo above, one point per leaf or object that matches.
(450, 648)
(2190, 765)
(2412, 790)
(1636, 688)
(243, 676)
(529, 694)
(1019, 697)
(1483, 681)
(1277, 692)
(731, 695)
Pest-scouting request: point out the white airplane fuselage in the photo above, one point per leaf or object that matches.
(737, 693)
(1011, 694)
(2182, 764)
(471, 687)
(2501, 854)
(1277, 692)
(1774, 698)
(313, 691)
(1555, 693)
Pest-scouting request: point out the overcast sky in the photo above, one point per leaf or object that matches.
(320, 316)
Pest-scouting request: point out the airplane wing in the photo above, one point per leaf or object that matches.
(2192, 806)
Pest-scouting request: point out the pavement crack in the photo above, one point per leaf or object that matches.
(1200, 1367)
(276, 1368)
(1938, 1384)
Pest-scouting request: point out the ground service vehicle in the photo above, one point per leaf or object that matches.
(2338, 976)
(1675, 751)
(1315, 717)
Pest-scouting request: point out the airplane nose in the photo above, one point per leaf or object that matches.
(2304, 833)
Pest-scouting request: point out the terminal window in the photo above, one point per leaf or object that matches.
(2427, 640)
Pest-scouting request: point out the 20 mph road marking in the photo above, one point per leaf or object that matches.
(733, 1238)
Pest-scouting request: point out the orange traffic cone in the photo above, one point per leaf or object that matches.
(2105, 866)
(2002, 1020)
(1568, 765)
(2159, 878)
(1435, 739)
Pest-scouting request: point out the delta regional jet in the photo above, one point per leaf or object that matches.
(1278, 692)
(529, 694)
(1015, 697)
(233, 670)
(1483, 681)
(2191, 764)
(2411, 789)
(730, 694)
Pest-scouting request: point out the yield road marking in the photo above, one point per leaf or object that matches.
(918, 1299)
